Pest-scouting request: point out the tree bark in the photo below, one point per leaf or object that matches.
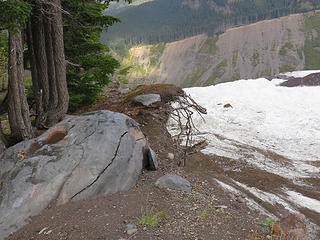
(3, 141)
(18, 109)
(46, 48)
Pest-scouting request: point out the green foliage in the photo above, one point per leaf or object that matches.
(91, 67)
(255, 59)
(312, 43)
(222, 64)
(283, 50)
(122, 48)
(287, 68)
(124, 71)
(235, 58)
(3, 60)
(14, 14)
(218, 73)
(268, 224)
(156, 51)
(209, 46)
(148, 218)
(220, 211)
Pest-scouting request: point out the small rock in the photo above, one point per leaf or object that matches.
(131, 231)
(131, 226)
(171, 156)
(221, 206)
(152, 160)
(174, 182)
(147, 99)
(293, 226)
(240, 199)
(228, 105)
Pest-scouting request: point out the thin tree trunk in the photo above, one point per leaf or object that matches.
(41, 82)
(47, 54)
(3, 141)
(18, 109)
(53, 100)
(60, 67)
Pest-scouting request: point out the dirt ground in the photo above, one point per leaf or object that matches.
(209, 212)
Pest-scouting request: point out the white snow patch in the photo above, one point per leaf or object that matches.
(282, 122)
(271, 198)
(299, 74)
(227, 187)
(303, 201)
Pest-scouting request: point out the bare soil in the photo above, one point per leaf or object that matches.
(209, 212)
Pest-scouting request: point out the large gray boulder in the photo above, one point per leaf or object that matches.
(82, 157)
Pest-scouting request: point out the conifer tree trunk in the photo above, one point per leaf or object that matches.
(18, 109)
(3, 142)
(46, 48)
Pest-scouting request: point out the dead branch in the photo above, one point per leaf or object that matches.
(182, 115)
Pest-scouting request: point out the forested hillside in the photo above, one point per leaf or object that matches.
(261, 49)
(170, 20)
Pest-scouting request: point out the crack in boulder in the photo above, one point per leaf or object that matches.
(99, 175)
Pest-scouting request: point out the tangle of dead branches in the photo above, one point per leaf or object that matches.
(182, 113)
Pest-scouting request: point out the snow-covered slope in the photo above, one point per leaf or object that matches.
(272, 129)
(263, 115)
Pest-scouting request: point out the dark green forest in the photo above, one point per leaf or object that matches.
(169, 20)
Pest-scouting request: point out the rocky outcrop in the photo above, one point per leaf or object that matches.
(310, 80)
(82, 157)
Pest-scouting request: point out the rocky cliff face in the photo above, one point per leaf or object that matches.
(258, 50)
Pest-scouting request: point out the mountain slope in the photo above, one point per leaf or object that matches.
(264, 49)
(169, 20)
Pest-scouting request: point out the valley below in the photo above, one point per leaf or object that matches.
(262, 49)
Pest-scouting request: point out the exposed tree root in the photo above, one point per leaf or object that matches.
(182, 114)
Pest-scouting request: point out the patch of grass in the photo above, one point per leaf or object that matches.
(300, 53)
(124, 71)
(255, 59)
(312, 42)
(223, 63)
(283, 50)
(148, 218)
(210, 46)
(268, 224)
(287, 68)
(220, 211)
(28, 81)
(214, 76)
(193, 78)
(289, 33)
(235, 58)
(156, 52)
